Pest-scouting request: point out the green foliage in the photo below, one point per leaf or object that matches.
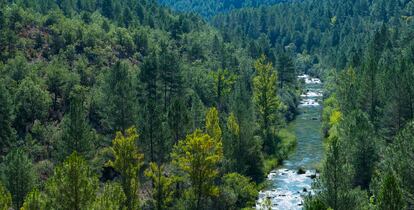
(128, 161)
(163, 191)
(73, 185)
(77, 134)
(267, 103)
(198, 157)
(213, 124)
(6, 119)
(398, 159)
(118, 102)
(238, 191)
(19, 176)
(35, 200)
(5, 198)
(390, 195)
(112, 197)
(361, 145)
(32, 103)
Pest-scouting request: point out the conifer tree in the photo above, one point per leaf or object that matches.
(151, 108)
(19, 175)
(73, 185)
(390, 195)
(7, 133)
(119, 99)
(77, 133)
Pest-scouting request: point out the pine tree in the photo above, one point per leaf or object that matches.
(108, 9)
(73, 185)
(336, 177)
(128, 161)
(151, 111)
(358, 133)
(170, 75)
(77, 133)
(19, 175)
(7, 133)
(197, 157)
(286, 69)
(267, 103)
(119, 99)
(390, 195)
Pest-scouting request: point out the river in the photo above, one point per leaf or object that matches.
(288, 185)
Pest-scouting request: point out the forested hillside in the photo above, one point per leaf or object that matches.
(211, 8)
(127, 105)
(114, 104)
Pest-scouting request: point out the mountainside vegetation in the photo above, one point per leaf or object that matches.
(130, 105)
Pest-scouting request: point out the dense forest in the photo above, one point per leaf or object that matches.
(209, 9)
(113, 104)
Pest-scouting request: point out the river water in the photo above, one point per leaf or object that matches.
(288, 185)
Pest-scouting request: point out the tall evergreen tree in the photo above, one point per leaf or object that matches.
(77, 133)
(19, 175)
(361, 144)
(73, 185)
(390, 195)
(7, 133)
(151, 112)
(119, 98)
(286, 70)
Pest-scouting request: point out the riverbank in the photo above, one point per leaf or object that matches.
(291, 181)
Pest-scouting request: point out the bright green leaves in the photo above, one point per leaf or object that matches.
(213, 124)
(163, 186)
(267, 102)
(5, 198)
(128, 161)
(73, 186)
(198, 157)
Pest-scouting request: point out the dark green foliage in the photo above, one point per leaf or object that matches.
(390, 196)
(7, 134)
(77, 135)
(19, 176)
(74, 72)
(212, 7)
(361, 144)
(118, 101)
(238, 191)
(32, 103)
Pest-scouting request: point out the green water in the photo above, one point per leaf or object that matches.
(288, 186)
